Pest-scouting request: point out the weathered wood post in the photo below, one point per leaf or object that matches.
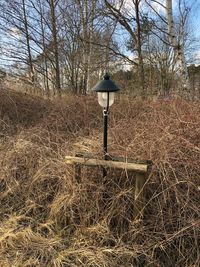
(77, 172)
(139, 198)
(141, 171)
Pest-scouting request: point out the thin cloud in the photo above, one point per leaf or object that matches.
(15, 32)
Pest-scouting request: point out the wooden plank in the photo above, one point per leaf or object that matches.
(143, 168)
(114, 158)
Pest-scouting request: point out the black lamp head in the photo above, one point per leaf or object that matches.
(106, 85)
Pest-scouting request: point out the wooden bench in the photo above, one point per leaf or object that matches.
(141, 170)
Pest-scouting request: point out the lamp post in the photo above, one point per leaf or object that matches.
(106, 90)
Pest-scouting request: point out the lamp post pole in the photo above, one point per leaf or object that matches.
(105, 137)
(105, 133)
(105, 129)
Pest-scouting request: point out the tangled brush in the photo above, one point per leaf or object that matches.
(50, 219)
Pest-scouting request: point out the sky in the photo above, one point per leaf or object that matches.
(194, 24)
(193, 21)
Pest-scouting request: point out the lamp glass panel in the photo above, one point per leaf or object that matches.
(103, 99)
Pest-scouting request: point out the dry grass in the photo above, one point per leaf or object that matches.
(49, 219)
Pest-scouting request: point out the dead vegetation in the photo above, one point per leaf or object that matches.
(49, 219)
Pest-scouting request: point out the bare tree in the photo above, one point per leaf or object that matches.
(17, 41)
(125, 19)
(139, 46)
(177, 45)
(87, 13)
(42, 22)
(26, 31)
(53, 4)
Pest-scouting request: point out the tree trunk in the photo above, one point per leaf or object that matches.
(178, 48)
(87, 13)
(46, 74)
(30, 62)
(55, 46)
(139, 50)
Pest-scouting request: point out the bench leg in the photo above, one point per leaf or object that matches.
(77, 172)
(139, 200)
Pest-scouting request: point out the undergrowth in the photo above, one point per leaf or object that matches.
(47, 218)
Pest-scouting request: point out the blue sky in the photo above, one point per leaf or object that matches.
(193, 49)
(194, 26)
